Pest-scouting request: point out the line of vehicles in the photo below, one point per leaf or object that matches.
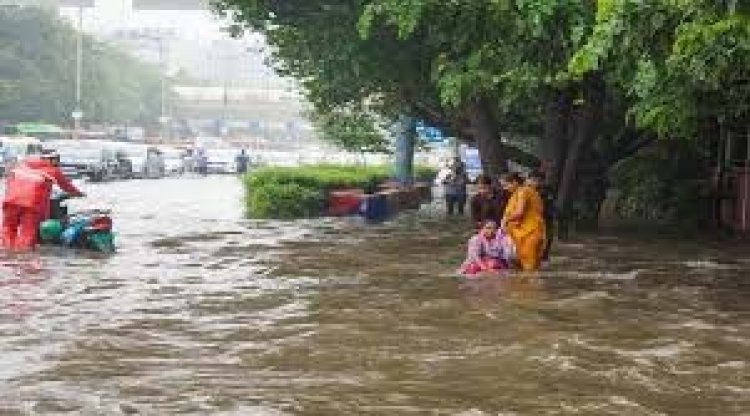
(101, 160)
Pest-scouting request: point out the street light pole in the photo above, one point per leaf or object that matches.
(224, 98)
(78, 112)
(162, 80)
(163, 119)
(228, 60)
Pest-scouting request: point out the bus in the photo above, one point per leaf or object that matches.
(40, 131)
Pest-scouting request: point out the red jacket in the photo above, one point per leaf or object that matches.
(29, 185)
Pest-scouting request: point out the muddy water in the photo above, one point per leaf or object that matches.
(203, 313)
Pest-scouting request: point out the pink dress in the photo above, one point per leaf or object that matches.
(486, 255)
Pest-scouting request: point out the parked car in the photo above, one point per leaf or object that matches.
(17, 148)
(155, 164)
(90, 159)
(147, 161)
(222, 161)
(174, 160)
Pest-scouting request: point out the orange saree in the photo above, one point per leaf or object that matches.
(525, 223)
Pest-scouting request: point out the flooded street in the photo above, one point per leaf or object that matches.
(204, 313)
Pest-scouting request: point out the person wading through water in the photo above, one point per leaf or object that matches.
(27, 199)
(524, 221)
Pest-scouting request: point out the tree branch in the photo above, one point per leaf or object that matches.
(630, 142)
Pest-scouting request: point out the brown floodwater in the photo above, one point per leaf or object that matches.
(202, 312)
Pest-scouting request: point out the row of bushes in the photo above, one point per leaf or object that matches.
(662, 184)
(300, 192)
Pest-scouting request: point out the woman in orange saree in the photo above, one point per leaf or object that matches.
(524, 221)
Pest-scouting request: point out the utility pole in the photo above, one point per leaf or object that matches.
(78, 111)
(164, 118)
(225, 94)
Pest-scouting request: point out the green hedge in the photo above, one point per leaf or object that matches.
(425, 173)
(284, 201)
(300, 192)
(321, 177)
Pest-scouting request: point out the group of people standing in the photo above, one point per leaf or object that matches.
(513, 216)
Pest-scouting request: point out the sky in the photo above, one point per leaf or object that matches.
(111, 14)
(195, 49)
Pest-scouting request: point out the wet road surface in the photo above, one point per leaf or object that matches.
(204, 313)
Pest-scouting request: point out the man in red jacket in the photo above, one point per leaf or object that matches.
(27, 199)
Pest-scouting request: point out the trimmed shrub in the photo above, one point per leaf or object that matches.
(284, 201)
(425, 173)
(300, 192)
(324, 177)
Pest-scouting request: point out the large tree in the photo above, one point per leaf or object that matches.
(594, 81)
(682, 63)
(347, 66)
(37, 74)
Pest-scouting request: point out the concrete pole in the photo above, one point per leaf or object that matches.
(163, 87)
(77, 112)
(162, 80)
(405, 135)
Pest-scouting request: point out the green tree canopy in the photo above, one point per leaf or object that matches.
(595, 81)
(679, 62)
(37, 74)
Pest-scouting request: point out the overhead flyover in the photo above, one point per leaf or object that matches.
(237, 104)
(170, 4)
(48, 3)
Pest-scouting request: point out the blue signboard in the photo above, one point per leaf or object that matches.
(472, 161)
(429, 134)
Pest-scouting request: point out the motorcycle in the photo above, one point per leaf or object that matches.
(89, 229)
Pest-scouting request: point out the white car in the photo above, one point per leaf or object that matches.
(147, 161)
(174, 160)
(222, 161)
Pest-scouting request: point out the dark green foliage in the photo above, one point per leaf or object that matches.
(665, 184)
(352, 130)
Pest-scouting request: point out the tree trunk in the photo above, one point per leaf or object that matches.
(711, 133)
(591, 189)
(555, 138)
(585, 118)
(405, 141)
(484, 127)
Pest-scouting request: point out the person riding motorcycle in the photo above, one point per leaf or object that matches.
(27, 198)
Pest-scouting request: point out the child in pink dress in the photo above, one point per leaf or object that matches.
(489, 251)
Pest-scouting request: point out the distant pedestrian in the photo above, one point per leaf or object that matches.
(242, 160)
(455, 188)
(188, 162)
(201, 162)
